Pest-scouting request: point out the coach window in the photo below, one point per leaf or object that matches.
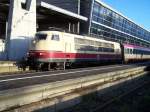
(55, 37)
(128, 50)
(131, 51)
(134, 51)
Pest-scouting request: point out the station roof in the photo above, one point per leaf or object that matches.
(44, 7)
(64, 12)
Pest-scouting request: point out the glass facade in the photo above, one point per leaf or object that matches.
(110, 25)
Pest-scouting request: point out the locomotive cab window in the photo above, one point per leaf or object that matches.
(55, 37)
(41, 36)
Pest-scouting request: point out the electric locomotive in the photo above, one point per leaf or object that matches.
(51, 49)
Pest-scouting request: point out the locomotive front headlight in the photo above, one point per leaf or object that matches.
(41, 54)
(33, 41)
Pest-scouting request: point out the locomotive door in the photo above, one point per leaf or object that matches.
(67, 50)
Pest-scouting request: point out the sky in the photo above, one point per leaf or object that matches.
(136, 10)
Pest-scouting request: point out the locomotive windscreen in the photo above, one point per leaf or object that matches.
(41, 36)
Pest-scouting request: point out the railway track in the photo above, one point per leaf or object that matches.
(77, 67)
(52, 70)
(11, 81)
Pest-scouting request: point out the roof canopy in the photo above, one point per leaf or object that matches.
(63, 11)
(48, 8)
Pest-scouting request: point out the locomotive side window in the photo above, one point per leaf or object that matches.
(90, 45)
(41, 36)
(55, 37)
(79, 41)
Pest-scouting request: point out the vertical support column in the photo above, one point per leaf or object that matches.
(21, 28)
(78, 25)
(90, 18)
(69, 29)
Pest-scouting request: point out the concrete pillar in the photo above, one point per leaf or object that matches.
(21, 28)
(78, 25)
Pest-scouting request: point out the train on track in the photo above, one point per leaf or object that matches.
(56, 49)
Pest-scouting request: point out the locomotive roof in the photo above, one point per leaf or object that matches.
(77, 36)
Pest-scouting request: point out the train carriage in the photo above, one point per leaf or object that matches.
(134, 53)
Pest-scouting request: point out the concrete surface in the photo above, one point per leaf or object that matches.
(26, 95)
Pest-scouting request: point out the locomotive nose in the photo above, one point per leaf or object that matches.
(39, 54)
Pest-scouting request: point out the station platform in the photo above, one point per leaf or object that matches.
(8, 66)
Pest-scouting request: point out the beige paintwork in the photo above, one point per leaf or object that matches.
(66, 43)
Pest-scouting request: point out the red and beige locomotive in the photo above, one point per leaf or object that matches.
(51, 49)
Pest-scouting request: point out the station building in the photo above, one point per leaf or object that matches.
(109, 24)
(21, 19)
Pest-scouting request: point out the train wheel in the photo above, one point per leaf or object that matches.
(69, 65)
(38, 67)
(49, 67)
